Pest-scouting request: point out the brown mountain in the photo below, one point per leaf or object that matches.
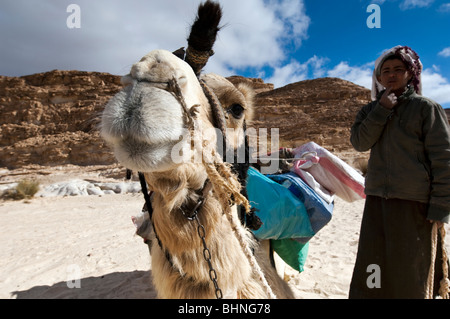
(320, 110)
(51, 118)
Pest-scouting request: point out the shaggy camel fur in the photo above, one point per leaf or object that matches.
(164, 108)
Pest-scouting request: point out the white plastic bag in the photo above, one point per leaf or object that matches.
(329, 171)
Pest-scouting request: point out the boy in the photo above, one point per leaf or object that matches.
(407, 183)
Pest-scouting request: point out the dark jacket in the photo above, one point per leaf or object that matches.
(409, 151)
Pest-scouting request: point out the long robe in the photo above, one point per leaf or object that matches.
(394, 251)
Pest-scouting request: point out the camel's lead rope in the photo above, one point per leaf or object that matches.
(248, 253)
(445, 282)
(218, 183)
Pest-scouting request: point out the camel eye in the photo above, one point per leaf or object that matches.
(237, 111)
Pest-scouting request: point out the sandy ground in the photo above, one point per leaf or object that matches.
(85, 247)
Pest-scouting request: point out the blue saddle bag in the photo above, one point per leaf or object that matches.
(318, 210)
(291, 212)
(283, 214)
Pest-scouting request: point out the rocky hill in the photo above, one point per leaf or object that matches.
(320, 110)
(51, 118)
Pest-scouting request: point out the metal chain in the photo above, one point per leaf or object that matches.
(207, 255)
(193, 215)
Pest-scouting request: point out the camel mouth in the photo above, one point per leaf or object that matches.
(146, 157)
(144, 113)
(143, 123)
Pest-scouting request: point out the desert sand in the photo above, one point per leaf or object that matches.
(85, 247)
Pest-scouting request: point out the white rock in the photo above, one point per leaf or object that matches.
(83, 188)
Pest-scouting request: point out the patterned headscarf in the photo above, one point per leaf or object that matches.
(412, 62)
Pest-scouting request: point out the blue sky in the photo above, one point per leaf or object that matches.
(282, 41)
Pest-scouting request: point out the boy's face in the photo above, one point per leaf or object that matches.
(394, 75)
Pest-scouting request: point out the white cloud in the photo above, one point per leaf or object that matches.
(435, 86)
(361, 75)
(445, 7)
(296, 71)
(445, 52)
(114, 34)
(256, 33)
(296, 22)
(289, 73)
(411, 4)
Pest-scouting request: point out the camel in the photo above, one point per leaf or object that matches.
(169, 123)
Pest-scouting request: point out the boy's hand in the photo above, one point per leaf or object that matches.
(388, 100)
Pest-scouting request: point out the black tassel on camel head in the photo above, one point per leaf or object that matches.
(202, 37)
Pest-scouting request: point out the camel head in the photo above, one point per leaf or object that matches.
(150, 123)
(147, 123)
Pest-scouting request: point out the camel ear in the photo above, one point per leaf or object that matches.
(249, 96)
